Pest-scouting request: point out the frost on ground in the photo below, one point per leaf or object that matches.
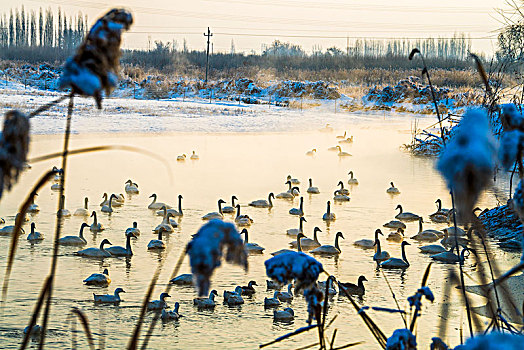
(494, 341)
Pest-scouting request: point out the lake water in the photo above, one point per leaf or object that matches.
(248, 165)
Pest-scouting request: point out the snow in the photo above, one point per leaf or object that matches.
(494, 341)
(294, 266)
(80, 78)
(401, 339)
(509, 145)
(416, 300)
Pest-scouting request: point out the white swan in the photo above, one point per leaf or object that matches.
(286, 296)
(75, 240)
(262, 203)
(285, 315)
(396, 236)
(300, 210)
(108, 298)
(165, 225)
(96, 252)
(64, 213)
(109, 207)
(181, 158)
(311, 189)
(83, 211)
(174, 212)
(447, 256)
(352, 180)
(426, 235)
(451, 239)
(96, 226)
(396, 263)
(206, 303)
(380, 255)
(355, 289)
(348, 140)
(368, 243)
(194, 156)
(340, 197)
(299, 246)
(342, 136)
(34, 236)
(131, 187)
(134, 230)
(158, 304)
(312, 152)
(329, 249)
(215, 215)
(406, 216)
(292, 180)
(35, 331)
(290, 193)
(157, 244)
(333, 148)
(393, 189)
(183, 279)
(342, 154)
(300, 229)
(342, 190)
(157, 205)
(230, 209)
(121, 251)
(119, 200)
(56, 187)
(33, 207)
(395, 224)
(272, 302)
(432, 249)
(308, 242)
(327, 128)
(105, 200)
(171, 314)
(98, 279)
(251, 247)
(242, 220)
(234, 298)
(328, 215)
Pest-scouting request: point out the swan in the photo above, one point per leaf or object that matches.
(289, 194)
(58, 174)
(194, 156)
(230, 209)
(262, 203)
(34, 236)
(342, 154)
(166, 224)
(406, 216)
(242, 220)
(108, 208)
(121, 251)
(272, 285)
(380, 255)
(174, 212)
(440, 209)
(393, 189)
(328, 215)
(83, 211)
(311, 189)
(272, 302)
(96, 226)
(181, 158)
(395, 224)
(235, 298)
(33, 208)
(452, 231)
(329, 284)
(396, 263)
(452, 240)
(432, 249)
(171, 315)
(157, 205)
(296, 231)
(299, 246)
(228, 293)
(368, 243)
(355, 289)
(158, 304)
(134, 230)
(98, 279)
(157, 244)
(119, 200)
(312, 152)
(105, 200)
(308, 242)
(286, 296)
(292, 180)
(2, 221)
(447, 256)
(426, 235)
(352, 180)
(342, 136)
(440, 218)
(215, 215)
(108, 298)
(249, 289)
(251, 247)
(131, 188)
(342, 190)
(206, 303)
(340, 197)
(396, 236)
(56, 187)
(64, 213)
(300, 210)
(96, 252)
(35, 331)
(334, 148)
(329, 249)
(183, 279)
(327, 128)
(75, 240)
(348, 140)
(284, 315)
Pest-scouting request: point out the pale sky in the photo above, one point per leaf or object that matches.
(325, 23)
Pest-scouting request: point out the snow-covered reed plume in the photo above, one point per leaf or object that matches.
(94, 68)
(402, 339)
(510, 146)
(511, 118)
(206, 248)
(468, 161)
(314, 297)
(294, 266)
(416, 300)
(14, 144)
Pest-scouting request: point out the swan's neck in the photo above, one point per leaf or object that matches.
(376, 236)
(220, 207)
(154, 200)
(104, 197)
(400, 209)
(377, 242)
(351, 173)
(247, 236)
(102, 245)
(439, 203)
(85, 203)
(238, 211)
(329, 208)
(310, 183)
(336, 242)
(111, 202)
(270, 202)
(301, 204)
(159, 235)
(95, 221)
(404, 254)
(212, 297)
(360, 283)
(299, 245)
(177, 306)
(180, 205)
(315, 236)
(32, 229)
(341, 185)
(300, 225)
(420, 226)
(81, 234)
(289, 289)
(128, 244)
(233, 202)
(289, 184)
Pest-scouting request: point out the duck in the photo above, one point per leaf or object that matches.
(158, 304)
(108, 298)
(134, 230)
(157, 205)
(249, 289)
(312, 152)
(230, 209)
(446, 256)
(329, 249)
(340, 197)
(206, 303)
(300, 229)
(235, 298)
(292, 180)
(131, 187)
(64, 213)
(83, 211)
(300, 210)
(299, 246)
(286, 296)
(352, 180)
(342, 190)
(96, 226)
(34, 236)
(168, 315)
(406, 216)
(96, 252)
(242, 220)
(262, 203)
(380, 255)
(75, 240)
(251, 247)
(355, 289)
(330, 286)
(33, 207)
(432, 249)
(166, 224)
(121, 251)
(272, 302)
(327, 128)
(157, 244)
(194, 156)
(215, 215)
(109, 207)
(396, 263)
(174, 212)
(392, 189)
(395, 224)
(181, 158)
(396, 236)
(308, 243)
(284, 315)
(98, 279)
(426, 235)
(311, 189)
(328, 215)
(342, 154)
(368, 243)
(183, 279)
(348, 140)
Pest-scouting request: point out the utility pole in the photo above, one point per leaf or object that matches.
(208, 35)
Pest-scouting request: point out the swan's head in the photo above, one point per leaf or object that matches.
(180, 196)
(244, 231)
(135, 224)
(213, 293)
(106, 272)
(105, 241)
(404, 243)
(339, 234)
(93, 213)
(84, 225)
(475, 210)
(131, 235)
(234, 197)
(317, 229)
(300, 235)
(438, 201)
(420, 219)
(314, 150)
(271, 195)
(129, 182)
(113, 196)
(289, 311)
(153, 195)
(252, 283)
(351, 172)
(119, 290)
(163, 296)
(392, 185)
(401, 231)
(221, 201)
(362, 279)
(288, 177)
(398, 206)
(303, 219)
(378, 232)
(339, 149)
(340, 183)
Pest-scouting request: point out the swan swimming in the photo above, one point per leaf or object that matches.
(396, 236)
(242, 220)
(329, 249)
(183, 279)
(311, 189)
(286, 296)
(308, 243)
(121, 251)
(393, 189)
(96, 226)
(206, 303)
(181, 158)
(109, 207)
(396, 263)
(63, 213)
(262, 203)
(340, 197)
(34, 236)
(348, 140)
(251, 247)
(157, 244)
(352, 180)
(230, 209)
(75, 240)
(328, 215)
(312, 152)
(300, 210)
(175, 213)
(342, 136)
(342, 190)
(299, 246)
(96, 252)
(215, 215)
(134, 230)
(368, 243)
(166, 224)
(355, 289)
(157, 205)
(300, 229)
(341, 153)
(234, 298)
(194, 156)
(131, 188)
(292, 180)
(83, 211)
(171, 314)
(33, 207)
(395, 224)
(285, 315)
(98, 279)
(158, 304)
(272, 302)
(380, 255)
(406, 216)
(108, 298)
(249, 289)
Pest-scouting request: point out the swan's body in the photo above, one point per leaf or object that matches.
(83, 211)
(286, 296)
(341, 153)
(56, 187)
(216, 214)
(131, 187)
(272, 302)
(206, 303)
(289, 194)
(328, 215)
(230, 209)
(181, 158)
(98, 279)
(249, 289)
(165, 224)
(348, 140)
(284, 315)
(96, 252)
(380, 255)
(251, 247)
(355, 289)
(235, 298)
(293, 181)
(109, 207)
(311, 189)
(63, 213)
(262, 203)
(308, 243)
(168, 315)
(426, 235)
(340, 197)
(300, 210)
(194, 156)
(393, 189)
(329, 249)
(396, 236)
(352, 180)
(441, 215)
(396, 263)
(299, 246)
(158, 304)
(75, 240)
(312, 152)
(300, 229)
(157, 244)
(330, 286)
(368, 243)
(342, 190)
(134, 230)
(432, 249)
(96, 226)
(34, 236)
(446, 257)
(33, 207)
(121, 251)
(174, 212)
(452, 231)
(184, 279)
(242, 220)
(395, 224)
(157, 205)
(108, 298)
(406, 216)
